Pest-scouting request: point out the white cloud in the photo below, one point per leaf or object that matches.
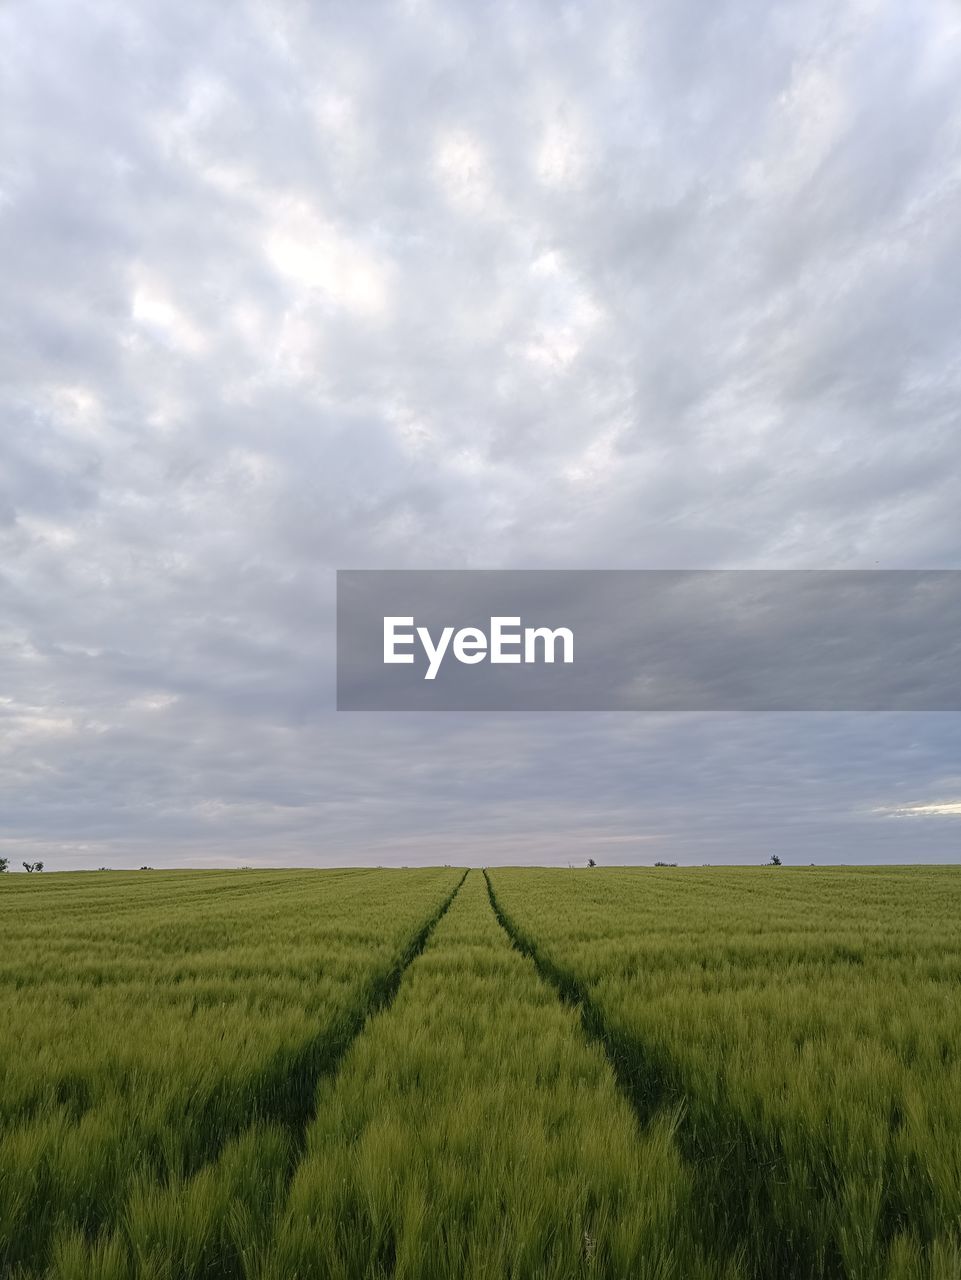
(314, 256)
(463, 170)
(292, 287)
(157, 316)
(943, 809)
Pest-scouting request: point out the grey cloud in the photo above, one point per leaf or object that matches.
(289, 288)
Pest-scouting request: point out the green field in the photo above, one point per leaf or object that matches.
(536, 1073)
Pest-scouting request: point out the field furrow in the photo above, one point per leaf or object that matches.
(216, 1223)
(138, 1085)
(650, 1089)
(807, 1024)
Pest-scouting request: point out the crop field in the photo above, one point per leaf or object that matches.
(361, 1074)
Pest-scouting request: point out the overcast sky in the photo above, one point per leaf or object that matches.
(298, 286)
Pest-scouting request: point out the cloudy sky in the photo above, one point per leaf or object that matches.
(288, 287)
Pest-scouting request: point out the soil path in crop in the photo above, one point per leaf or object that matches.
(714, 1225)
(299, 1098)
(286, 1109)
(288, 1090)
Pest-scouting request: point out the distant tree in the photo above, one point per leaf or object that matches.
(665, 864)
(4, 863)
(146, 868)
(591, 862)
(775, 861)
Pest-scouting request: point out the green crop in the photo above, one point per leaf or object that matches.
(536, 1075)
(472, 1131)
(809, 1024)
(148, 1022)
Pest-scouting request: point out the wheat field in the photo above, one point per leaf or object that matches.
(516, 1073)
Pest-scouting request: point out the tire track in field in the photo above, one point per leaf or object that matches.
(291, 1103)
(382, 997)
(648, 1087)
(645, 1092)
(286, 1089)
